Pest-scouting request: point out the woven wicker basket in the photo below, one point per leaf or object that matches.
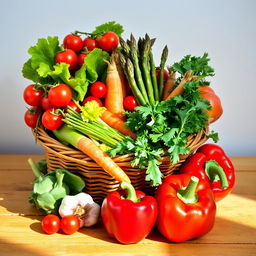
(97, 182)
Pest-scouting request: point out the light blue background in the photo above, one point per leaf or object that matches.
(224, 29)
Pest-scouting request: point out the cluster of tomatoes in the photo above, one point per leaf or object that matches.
(50, 101)
(76, 49)
(68, 224)
(49, 106)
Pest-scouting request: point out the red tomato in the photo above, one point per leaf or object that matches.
(90, 98)
(98, 89)
(70, 224)
(80, 58)
(31, 116)
(51, 120)
(109, 41)
(32, 96)
(45, 103)
(73, 42)
(90, 43)
(51, 224)
(166, 74)
(208, 93)
(130, 103)
(73, 105)
(60, 95)
(67, 56)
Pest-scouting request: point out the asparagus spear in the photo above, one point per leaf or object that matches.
(161, 78)
(135, 90)
(138, 75)
(125, 47)
(146, 72)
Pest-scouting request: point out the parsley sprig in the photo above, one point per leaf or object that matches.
(164, 127)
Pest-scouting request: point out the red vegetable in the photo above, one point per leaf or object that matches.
(60, 95)
(51, 224)
(130, 103)
(45, 103)
(31, 116)
(109, 41)
(70, 224)
(166, 74)
(73, 42)
(90, 98)
(129, 219)
(81, 57)
(67, 56)
(90, 43)
(73, 105)
(211, 164)
(98, 89)
(33, 95)
(51, 120)
(186, 208)
(208, 93)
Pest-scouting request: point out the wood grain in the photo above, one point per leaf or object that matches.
(234, 232)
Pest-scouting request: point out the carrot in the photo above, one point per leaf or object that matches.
(115, 122)
(180, 88)
(88, 147)
(125, 86)
(169, 84)
(114, 96)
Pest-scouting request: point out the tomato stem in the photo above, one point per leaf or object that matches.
(93, 35)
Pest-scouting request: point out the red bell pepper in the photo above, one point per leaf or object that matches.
(186, 208)
(129, 219)
(210, 163)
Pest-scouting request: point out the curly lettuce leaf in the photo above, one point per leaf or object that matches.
(109, 26)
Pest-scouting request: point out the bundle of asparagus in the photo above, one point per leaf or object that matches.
(139, 67)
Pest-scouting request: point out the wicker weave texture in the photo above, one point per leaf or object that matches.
(97, 182)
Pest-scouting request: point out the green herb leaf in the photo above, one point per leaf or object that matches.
(109, 26)
(214, 136)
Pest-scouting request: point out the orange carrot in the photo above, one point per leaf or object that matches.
(114, 96)
(169, 83)
(125, 86)
(115, 122)
(180, 88)
(102, 159)
(88, 147)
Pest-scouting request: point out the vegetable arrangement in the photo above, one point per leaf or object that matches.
(105, 96)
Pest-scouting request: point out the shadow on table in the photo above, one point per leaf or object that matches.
(7, 248)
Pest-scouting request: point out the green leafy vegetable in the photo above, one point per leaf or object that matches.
(109, 26)
(50, 189)
(164, 125)
(199, 66)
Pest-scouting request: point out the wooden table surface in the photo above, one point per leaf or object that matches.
(234, 232)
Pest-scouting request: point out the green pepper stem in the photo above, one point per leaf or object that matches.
(215, 172)
(34, 168)
(131, 193)
(188, 194)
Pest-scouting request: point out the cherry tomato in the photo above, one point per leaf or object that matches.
(90, 98)
(73, 42)
(45, 103)
(130, 103)
(67, 56)
(98, 89)
(70, 224)
(90, 43)
(216, 111)
(166, 74)
(51, 120)
(109, 41)
(60, 95)
(32, 96)
(31, 116)
(51, 224)
(73, 105)
(80, 58)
